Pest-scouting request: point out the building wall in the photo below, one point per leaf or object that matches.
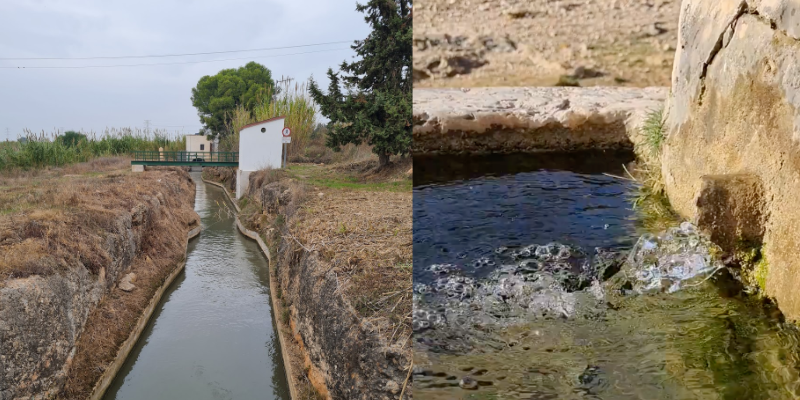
(258, 150)
(193, 143)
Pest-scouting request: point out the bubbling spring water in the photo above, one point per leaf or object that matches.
(557, 312)
(590, 310)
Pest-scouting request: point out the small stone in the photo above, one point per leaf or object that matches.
(468, 383)
(126, 283)
(581, 72)
(320, 194)
(654, 29)
(392, 387)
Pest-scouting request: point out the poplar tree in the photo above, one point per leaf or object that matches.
(369, 100)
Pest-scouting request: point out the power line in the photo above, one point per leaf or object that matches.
(172, 55)
(176, 126)
(173, 63)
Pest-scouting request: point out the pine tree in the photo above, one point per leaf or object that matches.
(376, 105)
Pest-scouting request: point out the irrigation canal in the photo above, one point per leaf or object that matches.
(212, 336)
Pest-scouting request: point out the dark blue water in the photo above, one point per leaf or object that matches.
(465, 208)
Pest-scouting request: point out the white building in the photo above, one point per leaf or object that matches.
(198, 143)
(260, 146)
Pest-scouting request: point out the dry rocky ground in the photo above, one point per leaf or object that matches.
(472, 43)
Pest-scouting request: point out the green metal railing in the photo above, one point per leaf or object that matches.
(204, 158)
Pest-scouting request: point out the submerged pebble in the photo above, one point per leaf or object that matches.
(468, 383)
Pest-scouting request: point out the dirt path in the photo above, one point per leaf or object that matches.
(473, 43)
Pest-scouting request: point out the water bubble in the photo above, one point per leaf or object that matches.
(483, 262)
(443, 269)
(422, 288)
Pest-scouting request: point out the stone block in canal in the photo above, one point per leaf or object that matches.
(509, 120)
(733, 109)
(730, 208)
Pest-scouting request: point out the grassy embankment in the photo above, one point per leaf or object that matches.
(360, 220)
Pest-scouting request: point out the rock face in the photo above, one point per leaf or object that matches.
(506, 120)
(733, 109)
(730, 208)
(348, 360)
(345, 356)
(35, 360)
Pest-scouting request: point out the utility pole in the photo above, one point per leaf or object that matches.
(287, 79)
(147, 127)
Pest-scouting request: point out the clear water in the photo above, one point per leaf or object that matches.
(705, 341)
(212, 336)
(466, 208)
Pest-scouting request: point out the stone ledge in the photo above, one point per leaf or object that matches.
(505, 120)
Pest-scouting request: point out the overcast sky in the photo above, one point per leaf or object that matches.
(96, 98)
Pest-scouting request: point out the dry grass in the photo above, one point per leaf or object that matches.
(58, 220)
(366, 238)
(51, 220)
(362, 175)
(316, 152)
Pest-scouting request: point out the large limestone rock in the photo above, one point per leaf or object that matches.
(733, 110)
(507, 120)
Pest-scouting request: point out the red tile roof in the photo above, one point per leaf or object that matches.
(261, 122)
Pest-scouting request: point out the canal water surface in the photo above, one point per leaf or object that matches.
(212, 336)
(499, 222)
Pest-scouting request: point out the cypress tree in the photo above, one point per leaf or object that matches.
(375, 106)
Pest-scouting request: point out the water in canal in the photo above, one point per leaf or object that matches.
(212, 336)
(520, 292)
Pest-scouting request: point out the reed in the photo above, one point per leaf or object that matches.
(292, 102)
(39, 150)
(298, 108)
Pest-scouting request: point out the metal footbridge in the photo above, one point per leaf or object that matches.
(187, 158)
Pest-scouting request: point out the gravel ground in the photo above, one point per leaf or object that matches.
(472, 43)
